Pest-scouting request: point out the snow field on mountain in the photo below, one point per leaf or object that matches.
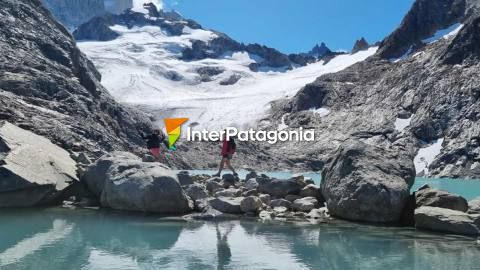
(142, 68)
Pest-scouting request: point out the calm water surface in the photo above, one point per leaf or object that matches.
(86, 239)
(467, 188)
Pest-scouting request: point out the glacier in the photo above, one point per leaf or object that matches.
(143, 68)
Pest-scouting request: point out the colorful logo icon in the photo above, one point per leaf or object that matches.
(173, 127)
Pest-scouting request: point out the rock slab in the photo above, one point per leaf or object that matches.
(33, 170)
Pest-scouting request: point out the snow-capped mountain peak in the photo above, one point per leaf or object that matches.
(170, 66)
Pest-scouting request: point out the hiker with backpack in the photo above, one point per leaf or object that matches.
(228, 149)
(154, 142)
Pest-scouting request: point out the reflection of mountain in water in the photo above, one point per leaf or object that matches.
(64, 239)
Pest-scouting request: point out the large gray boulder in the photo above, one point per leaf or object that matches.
(280, 188)
(367, 183)
(96, 174)
(446, 220)
(33, 171)
(147, 187)
(439, 198)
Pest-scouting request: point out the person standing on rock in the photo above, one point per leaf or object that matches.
(228, 149)
(154, 142)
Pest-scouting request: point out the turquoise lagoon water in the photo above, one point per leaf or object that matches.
(57, 239)
(467, 188)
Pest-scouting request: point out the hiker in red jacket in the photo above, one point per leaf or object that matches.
(228, 149)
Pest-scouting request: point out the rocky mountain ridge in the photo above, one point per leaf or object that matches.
(174, 23)
(49, 87)
(426, 101)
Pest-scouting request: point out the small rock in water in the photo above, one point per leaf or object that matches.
(305, 204)
(265, 215)
(318, 213)
(227, 205)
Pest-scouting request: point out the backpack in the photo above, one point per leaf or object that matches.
(232, 145)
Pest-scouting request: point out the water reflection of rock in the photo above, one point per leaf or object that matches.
(59, 239)
(350, 246)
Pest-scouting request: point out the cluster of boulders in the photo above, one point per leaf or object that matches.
(122, 181)
(442, 211)
(257, 195)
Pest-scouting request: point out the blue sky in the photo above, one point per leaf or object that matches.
(296, 25)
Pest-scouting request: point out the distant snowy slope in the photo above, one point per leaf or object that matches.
(144, 67)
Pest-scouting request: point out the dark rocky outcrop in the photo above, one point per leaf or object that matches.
(95, 29)
(465, 47)
(360, 45)
(49, 87)
(364, 101)
(367, 183)
(320, 51)
(422, 21)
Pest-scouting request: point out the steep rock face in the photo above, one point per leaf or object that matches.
(420, 101)
(423, 20)
(465, 48)
(49, 87)
(72, 13)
